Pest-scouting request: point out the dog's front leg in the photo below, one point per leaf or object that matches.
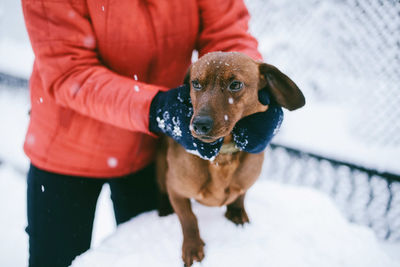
(192, 247)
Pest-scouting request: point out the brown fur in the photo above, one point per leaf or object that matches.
(225, 180)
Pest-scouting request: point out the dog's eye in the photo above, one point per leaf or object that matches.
(235, 86)
(196, 85)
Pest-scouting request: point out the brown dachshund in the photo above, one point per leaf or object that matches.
(224, 181)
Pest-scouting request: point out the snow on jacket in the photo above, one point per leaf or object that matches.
(99, 63)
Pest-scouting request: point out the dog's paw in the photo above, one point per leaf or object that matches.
(192, 251)
(237, 215)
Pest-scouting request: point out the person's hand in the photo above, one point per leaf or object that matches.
(170, 113)
(254, 132)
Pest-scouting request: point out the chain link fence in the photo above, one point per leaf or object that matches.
(365, 196)
(12, 81)
(345, 52)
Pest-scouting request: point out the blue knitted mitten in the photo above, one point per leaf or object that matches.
(170, 113)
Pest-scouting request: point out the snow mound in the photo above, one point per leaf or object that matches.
(289, 227)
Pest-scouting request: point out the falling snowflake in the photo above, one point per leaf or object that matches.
(71, 14)
(42, 188)
(41, 100)
(112, 162)
(230, 100)
(89, 41)
(226, 117)
(74, 89)
(102, 8)
(30, 139)
(135, 77)
(136, 88)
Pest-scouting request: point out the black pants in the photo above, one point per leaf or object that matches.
(61, 211)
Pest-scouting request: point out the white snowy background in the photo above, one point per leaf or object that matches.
(291, 226)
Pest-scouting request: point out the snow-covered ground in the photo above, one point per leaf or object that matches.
(13, 239)
(290, 226)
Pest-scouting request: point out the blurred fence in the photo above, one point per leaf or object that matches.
(12, 81)
(365, 196)
(346, 51)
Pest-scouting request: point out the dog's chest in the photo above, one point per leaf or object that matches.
(223, 186)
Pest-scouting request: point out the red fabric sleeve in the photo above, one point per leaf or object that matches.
(224, 27)
(64, 45)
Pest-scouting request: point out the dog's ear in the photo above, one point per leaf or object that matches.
(186, 81)
(281, 87)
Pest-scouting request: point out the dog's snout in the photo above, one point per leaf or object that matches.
(202, 125)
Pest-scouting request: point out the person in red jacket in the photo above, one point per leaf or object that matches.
(98, 66)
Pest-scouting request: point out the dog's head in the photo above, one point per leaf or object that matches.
(224, 88)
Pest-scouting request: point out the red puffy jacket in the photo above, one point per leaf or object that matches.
(98, 65)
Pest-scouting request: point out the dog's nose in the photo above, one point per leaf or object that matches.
(202, 125)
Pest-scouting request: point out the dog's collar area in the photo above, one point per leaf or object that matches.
(229, 148)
